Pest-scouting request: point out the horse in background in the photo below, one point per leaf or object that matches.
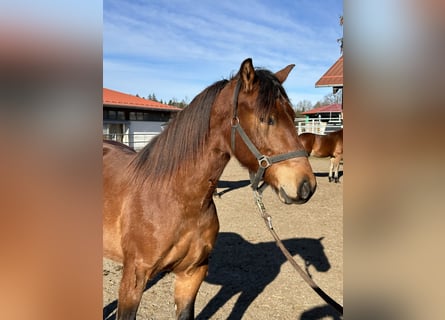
(328, 145)
(158, 210)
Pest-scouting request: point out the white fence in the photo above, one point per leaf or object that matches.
(318, 125)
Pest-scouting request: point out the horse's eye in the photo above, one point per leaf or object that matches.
(270, 121)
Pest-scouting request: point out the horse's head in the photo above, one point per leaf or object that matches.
(264, 137)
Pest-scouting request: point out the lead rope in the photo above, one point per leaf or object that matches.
(268, 221)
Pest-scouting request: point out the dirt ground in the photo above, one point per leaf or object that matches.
(249, 277)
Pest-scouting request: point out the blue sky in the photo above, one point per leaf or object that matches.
(175, 49)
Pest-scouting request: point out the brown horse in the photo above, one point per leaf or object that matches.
(158, 212)
(329, 145)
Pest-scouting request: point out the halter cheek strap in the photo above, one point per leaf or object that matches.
(264, 161)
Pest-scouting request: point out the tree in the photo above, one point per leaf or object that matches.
(332, 98)
(340, 40)
(176, 103)
(152, 97)
(303, 105)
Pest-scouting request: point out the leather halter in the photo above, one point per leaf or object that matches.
(264, 161)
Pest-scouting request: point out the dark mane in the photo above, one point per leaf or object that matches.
(269, 90)
(180, 142)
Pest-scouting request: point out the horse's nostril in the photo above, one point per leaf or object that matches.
(305, 191)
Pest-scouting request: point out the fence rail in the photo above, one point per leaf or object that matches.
(318, 125)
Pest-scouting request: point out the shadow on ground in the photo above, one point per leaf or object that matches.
(321, 312)
(228, 186)
(245, 268)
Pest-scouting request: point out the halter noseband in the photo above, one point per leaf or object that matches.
(264, 161)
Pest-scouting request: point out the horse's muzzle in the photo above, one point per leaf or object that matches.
(304, 193)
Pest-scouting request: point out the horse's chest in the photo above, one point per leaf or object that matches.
(189, 249)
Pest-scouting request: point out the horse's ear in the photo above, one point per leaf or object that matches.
(282, 74)
(247, 74)
(319, 239)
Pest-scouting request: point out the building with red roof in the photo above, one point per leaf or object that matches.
(133, 120)
(329, 118)
(323, 110)
(333, 77)
(322, 120)
(123, 100)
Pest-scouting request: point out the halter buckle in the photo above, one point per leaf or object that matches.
(264, 162)
(234, 122)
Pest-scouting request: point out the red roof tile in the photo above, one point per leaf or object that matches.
(116, 98)
(324, 109)
(333, 77)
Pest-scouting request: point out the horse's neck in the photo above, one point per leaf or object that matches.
(209, 166)
(204, 173)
